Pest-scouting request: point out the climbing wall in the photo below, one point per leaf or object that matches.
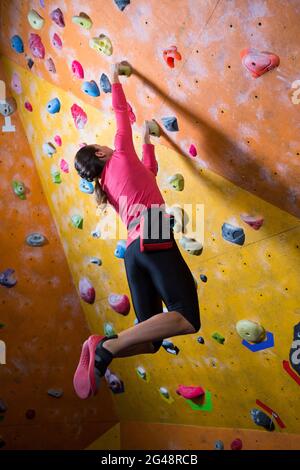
(234, 142)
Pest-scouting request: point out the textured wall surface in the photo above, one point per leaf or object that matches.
(245, 131)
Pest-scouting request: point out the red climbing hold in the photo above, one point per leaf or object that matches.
(79, 116)
(57, 140)
(258, 63)
(193, 150)
(36, 46)
(236, 444)
(170, 55)
(56, 41)
(254, 221)
(77, 69)
(119, 303)
(190, 392)
(28, 106)
(87, 291)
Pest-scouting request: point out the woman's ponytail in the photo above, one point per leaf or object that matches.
(100, 194)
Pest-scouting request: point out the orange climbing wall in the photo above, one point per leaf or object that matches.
(42, 322)
(241, 134)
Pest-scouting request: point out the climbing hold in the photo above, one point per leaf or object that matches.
(77, 69)
(53, 106)
(109, 330)
(19, 189)
(30, 414)
(28, 106)
(203, 278)
(259, 62)
(55, 393)
(7, 279)
(105, 84)
(176, 182)
(3, 407)
(295, 95)
(55, 174)
(114, 382)
(122, 4)
(170, 123)
(124, 68)
(141, 373)
(91, 88)
(121, 248)
(86, 186)
(164, 392)
(57, 140)
(50, 65)
(36, 239)
(36, 46)
(95, 260)
(236, 444)
(170, 55)
(218, 337)
(219, 445)
(193, 150)
(16, 83)
(119, 303)
(268, 342)
(294, 355)
(79, 116)
(190, 392)
(8, 106)
(77, 221)
(262, 419)
(83, 20)
(56, 41)
(49, 149)
(101, 44)
(64, 166)
(191, 245)
(170, 347)
(131, 114)
(58, 17)
(35, 20)
(200, 340)
(233, 234)
(96, 233)
(154, 128)
(250, 331)
(254, 221)
(42, 3)
(30, 63)
(17, 44)
(87, 291)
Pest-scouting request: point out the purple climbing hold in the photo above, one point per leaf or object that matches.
(7, 279)
(58, 17)
(50, 65)
(36, 46)
(77, 69)
(122, 4)
(56, 41)
(114, 382)
(16, 83)
(42, 3)
(200, 340)
(119, 303)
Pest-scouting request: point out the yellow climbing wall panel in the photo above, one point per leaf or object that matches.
(258, 281)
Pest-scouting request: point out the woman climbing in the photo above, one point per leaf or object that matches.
(153, 276)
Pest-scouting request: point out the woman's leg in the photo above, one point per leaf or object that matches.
(144, 348)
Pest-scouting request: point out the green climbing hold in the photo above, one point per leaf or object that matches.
(218, 337)
(55, 174)
(83, 20)
(77, 221)
(19, 189)
(154, 128)
(109, 330)
(176, 182)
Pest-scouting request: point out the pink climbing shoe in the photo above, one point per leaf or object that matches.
(259, 62)
(84, 378)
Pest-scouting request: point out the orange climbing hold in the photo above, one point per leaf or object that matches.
(259, 62)
(170, 55)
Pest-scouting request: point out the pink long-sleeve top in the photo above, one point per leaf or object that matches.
(130, 184)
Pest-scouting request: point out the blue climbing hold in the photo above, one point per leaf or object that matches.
(105, 83)
(233, 234)
(121, 248)
(7, 279)
(86, 186)
(219, 445)
(122, 4)
(17, 44)
(262, 419)
(91, 88)
(203, 278)
(170, 124)
(53, 106)
(170, 347)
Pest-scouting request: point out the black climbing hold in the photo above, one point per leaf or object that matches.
(30, 63)
(200, 340)
(295, 350)
(219, 445)
(170, 347)
(203, 278)
(122, 4)
(55, 392)
(262, 419)
(233, 234)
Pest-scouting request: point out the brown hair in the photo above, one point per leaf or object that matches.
(90, 167)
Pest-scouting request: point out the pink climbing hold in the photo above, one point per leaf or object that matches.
(237, 444)
(119, 303)
(36, 46)
(56, 41)
(50, 65)
(190, 392)
(193, 150)
(64, 166)
(170, 55)
(131, 114)
(79, 116)
(57, 140)
(259, 62)
(28, 106)
(254, 221)
(87, 291)
(77, 69)
(58, 17)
